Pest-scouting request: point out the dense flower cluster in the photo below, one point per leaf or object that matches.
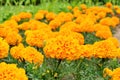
(4, 48)
(11, 72)
(62, 47)
(9, 31)
(113, 74)
(29, 54)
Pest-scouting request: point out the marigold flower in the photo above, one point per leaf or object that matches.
(4, 48)
(108, 4)
(24, 26)
(70, 26)
(118, 11)
(83, 6)
(62, 48)
(37, 37)
(114, 74)
(39, 16)
(105, 49)
(75, 35)
(50, 16)
(29, 54)
(8, 72)
(25, 15)
(16, 51)
(16, 18)
(13, 38)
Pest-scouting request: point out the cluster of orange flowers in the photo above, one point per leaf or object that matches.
(64, 47)
(11, 72)
(29, 54)
(4, 48)
(115, 74)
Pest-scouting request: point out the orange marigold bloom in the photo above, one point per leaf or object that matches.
(116, 7)
(62, 48)
(25, 15)
(39, 16)
(36, 37)
(16, 51)
(55, 23)
(105, 49)
(71, 26)
(106, 21)
(50, 16)
(16, 18)
(4, 48)
(13, 38)
(114, 74)
(106, 72)
(24, 26)
(11, 72)
(75, 35)
(118, 11)
(10, 23)
(83, 6)
(108, 4)
(29, 54)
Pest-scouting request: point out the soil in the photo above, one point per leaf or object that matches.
(117, 32)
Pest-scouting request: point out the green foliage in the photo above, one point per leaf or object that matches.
(73, 2)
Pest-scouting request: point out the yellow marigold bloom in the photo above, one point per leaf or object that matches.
(115, 21)
(71, 26)
(114, 74)
(13, 38)
(16, 18)
(108, 4)
(104, 34)
(102, 31)
(55, 23)
(86, 50)
(31, 55)
(80, 18)
(76, 12)
(39, 16)
(10, 23)
(16, 51)
(25, 15)
(101, 15)
(115, 41)
(4, 48)
(116, 7)
(118, 11)
(37, 25)
(62, 48)
(69, 7)
(106, 21)
(106, 72)
(87, 26)
(105, 49)
(50, 16)
(68, 17)
(36, 37)
(11, 72)
(24, 26)
(75, 35)
(83, 6)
